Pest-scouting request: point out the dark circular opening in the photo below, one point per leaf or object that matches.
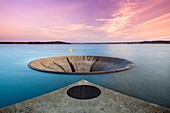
(83, 92)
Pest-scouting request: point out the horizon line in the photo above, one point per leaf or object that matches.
(65, 42)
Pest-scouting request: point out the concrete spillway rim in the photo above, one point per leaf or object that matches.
(131, 65)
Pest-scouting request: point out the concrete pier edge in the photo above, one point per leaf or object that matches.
(107, 102)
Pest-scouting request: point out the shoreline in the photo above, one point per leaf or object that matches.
(61, 42)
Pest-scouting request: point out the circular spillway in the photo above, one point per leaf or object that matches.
(81, 64)
(83, 92)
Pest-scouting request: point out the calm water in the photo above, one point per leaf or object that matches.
(149, 80)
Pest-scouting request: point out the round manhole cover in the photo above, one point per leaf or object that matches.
(83, 92)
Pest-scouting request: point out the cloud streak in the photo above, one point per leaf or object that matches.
(85, 21)
(120, 20)
(131, 23)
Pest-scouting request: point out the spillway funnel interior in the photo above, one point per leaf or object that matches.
(81, 64)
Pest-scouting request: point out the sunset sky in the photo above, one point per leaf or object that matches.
(84, 20)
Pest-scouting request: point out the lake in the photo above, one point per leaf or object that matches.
(149, 80)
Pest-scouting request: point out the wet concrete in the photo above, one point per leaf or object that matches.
(81, 64)
(107, 102)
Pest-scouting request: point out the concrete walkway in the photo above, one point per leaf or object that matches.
(107, 102)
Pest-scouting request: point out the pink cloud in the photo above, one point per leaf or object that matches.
(120, 19)
(128, 22)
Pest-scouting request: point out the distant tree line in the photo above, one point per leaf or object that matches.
(52, 42)
(60, 42)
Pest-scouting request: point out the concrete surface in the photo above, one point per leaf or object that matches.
(81, 64)
(107, 102)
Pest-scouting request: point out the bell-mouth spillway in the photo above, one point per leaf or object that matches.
(81, 64)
